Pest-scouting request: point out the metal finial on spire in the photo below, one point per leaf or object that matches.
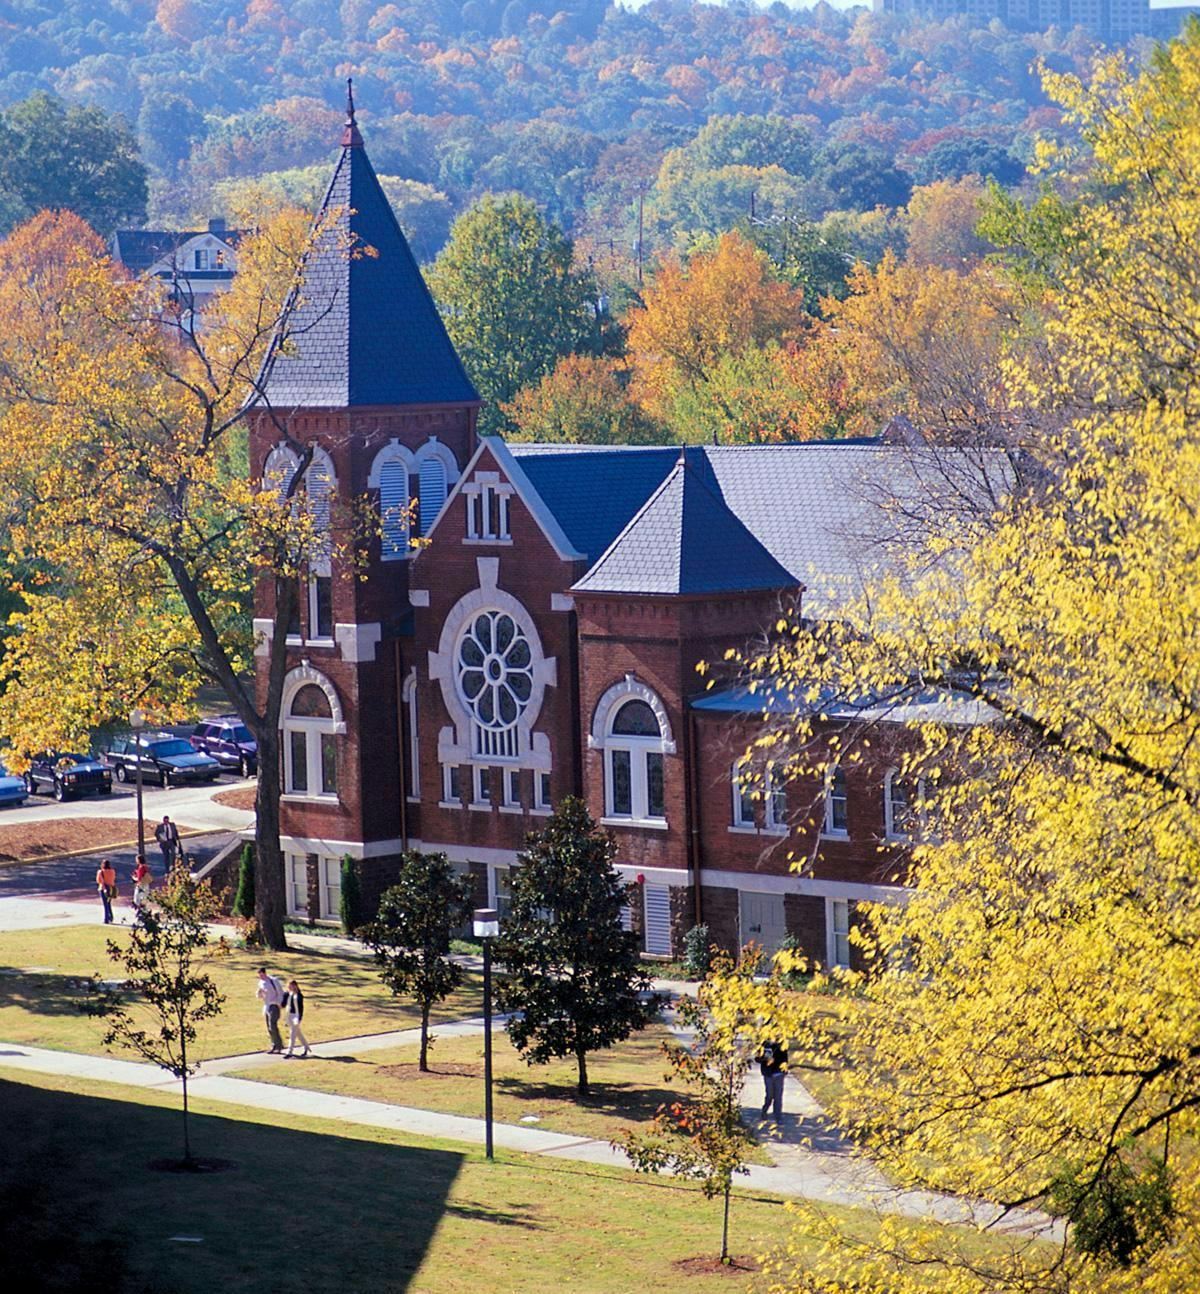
(350, 135)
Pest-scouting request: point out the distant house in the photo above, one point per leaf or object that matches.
(195, 263)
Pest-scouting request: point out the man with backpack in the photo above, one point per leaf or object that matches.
(271, 994)
(772, 1064)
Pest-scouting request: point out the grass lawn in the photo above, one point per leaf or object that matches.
(315, 1205)
(626, 1080)
(43, 993)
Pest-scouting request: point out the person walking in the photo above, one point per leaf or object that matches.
(167, 835)
(106, 887)
(140, 877)
(772, 1064)
(270, 994)
(294, 1006)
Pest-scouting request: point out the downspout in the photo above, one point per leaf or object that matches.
(402, 749)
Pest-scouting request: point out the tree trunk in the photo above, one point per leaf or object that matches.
(725, 1223)
(581, 1057)
(187, 1141)
(423, 1063)
(269, 907)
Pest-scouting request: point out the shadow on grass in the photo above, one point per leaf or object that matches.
(43, 992)
(624, 1100)
(81, 1210)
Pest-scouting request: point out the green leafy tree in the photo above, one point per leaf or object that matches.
(167, 991)
(243, 900)
(77, 158)
(411, 934)
(511, 300)
(702, 1137)
(573, 980)
(584, 400)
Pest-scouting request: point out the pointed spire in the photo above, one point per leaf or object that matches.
(350, 135)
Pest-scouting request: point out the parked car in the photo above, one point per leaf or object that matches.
(165, 759)
(229, 742)
(12, 789)
(67, 775)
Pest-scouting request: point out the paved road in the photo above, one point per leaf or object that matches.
(76, 877)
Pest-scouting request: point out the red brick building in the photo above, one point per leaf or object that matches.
(542, 638)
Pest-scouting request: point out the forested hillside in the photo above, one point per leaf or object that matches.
(578, 104)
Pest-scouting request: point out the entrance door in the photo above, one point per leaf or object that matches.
(658, 920)
(762, 920)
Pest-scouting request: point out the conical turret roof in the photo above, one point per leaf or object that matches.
(362, 329)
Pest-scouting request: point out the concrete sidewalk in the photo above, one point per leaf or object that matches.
(813, 1176)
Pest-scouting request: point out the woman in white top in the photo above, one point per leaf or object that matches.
(293, 1004)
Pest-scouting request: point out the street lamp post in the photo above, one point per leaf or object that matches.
(137, 721)
(487, 927)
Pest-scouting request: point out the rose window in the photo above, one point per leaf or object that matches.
(495, 678)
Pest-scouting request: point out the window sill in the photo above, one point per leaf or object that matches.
(477, 807)
(511, 808)
(299, 797)
(777, 829)
(835, 835)
(449, 804)
(640, 824)
(320, 642)
(540, 811)
(478, 541)
(413, 799)
(294, 640)
(742, 829)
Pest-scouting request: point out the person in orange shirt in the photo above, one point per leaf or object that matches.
(106, 887)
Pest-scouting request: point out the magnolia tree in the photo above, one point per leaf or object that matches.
(1027, 1033)
(127, 500)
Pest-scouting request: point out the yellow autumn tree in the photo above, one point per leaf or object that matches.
(720, 303)
(1027, 1033)
(125, 494)
(929, 343)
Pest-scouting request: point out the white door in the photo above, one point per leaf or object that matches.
(762, 920)
(331, 889)
(657, 907)
(297, 887)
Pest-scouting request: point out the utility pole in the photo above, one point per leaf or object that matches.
(641, 228)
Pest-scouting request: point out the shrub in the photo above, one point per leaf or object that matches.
(243, 901)
(697, 952)
(351, 903)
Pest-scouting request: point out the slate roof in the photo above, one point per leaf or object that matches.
(685, 540)
(814, 507)
(138, 249)
(363, 328)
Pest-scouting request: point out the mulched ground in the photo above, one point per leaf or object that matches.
(410, 1070)
(703, 1266)
(240, 797)
(31, 841)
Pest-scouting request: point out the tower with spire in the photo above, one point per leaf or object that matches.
(362, 374)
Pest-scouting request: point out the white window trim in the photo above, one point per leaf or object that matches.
(410, 699)
(771, 824)
(321, 641)
(828, 830)
(449, 800)
(478, 494)
(394, 452)
(479, 783)
(831, 938)
(542, 807)
(602, 738)
(323, 865)
(739, 822)
(507, 803)
(313, 730)
(890, 832)
(293, 909)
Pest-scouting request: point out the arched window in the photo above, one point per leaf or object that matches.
(633, 764)
(279, 469)
(312, 721)
(431, 493)
(319, 483)
(414, 736)
(390, 474)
